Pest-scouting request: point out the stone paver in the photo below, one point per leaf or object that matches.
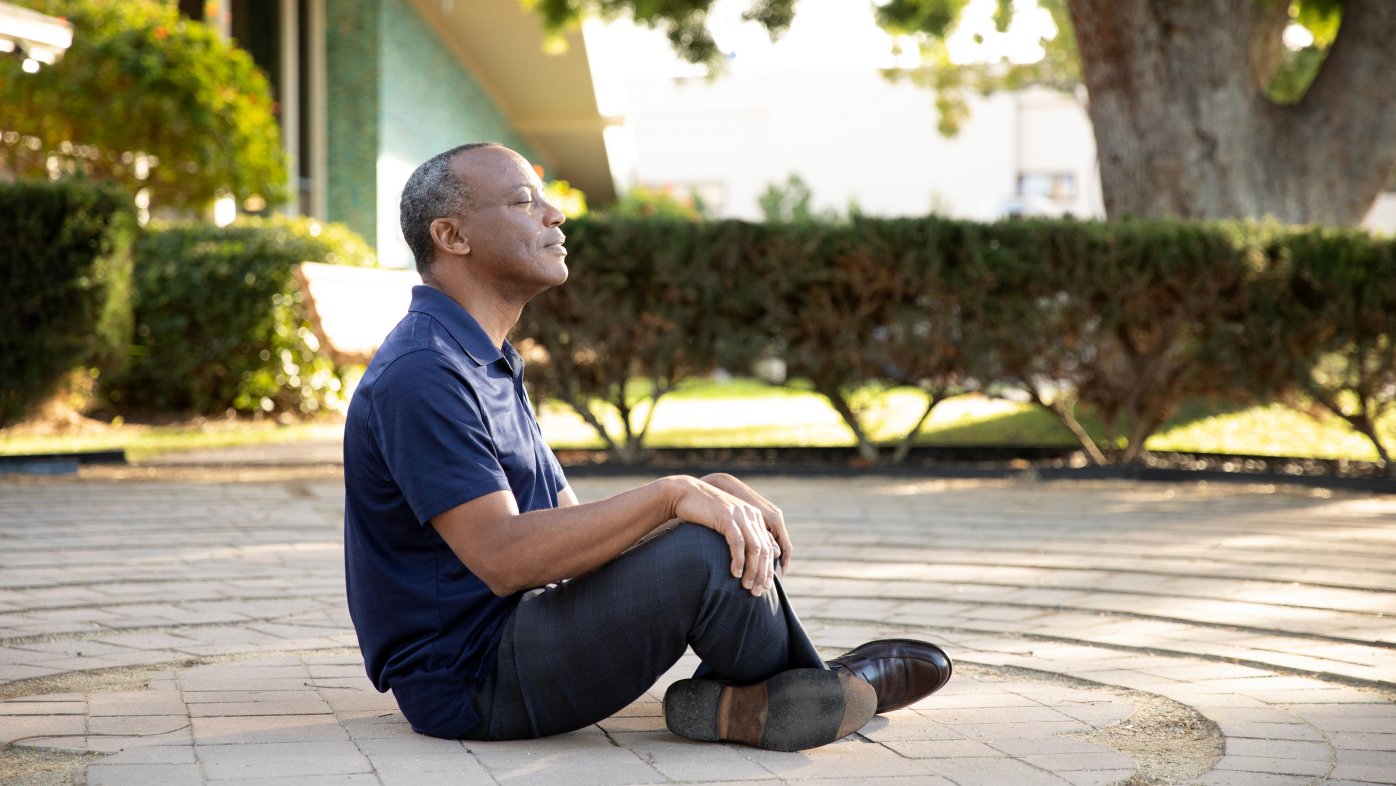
(196, 632)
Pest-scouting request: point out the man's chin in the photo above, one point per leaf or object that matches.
(545, 284)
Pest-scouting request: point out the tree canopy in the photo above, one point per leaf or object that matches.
(146, 99)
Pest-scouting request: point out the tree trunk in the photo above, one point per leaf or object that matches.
(1065, 413)
(933, 397)
(866, 449)
(579, 405)
(1184, 128)
(1364, 422)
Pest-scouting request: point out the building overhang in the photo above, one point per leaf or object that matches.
(548, 97)
(37, 38)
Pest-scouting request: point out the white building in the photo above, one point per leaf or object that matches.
(816, 105)
(856, 137)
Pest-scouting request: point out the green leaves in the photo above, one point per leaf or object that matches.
(138, 83)
(934, 18)
(65, 268)
(929, 22)
(1333, 311)
(220, 325)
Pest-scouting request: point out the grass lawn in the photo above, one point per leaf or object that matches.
(748, 413)
(143, 441)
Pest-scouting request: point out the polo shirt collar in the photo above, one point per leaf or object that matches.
(463, 328)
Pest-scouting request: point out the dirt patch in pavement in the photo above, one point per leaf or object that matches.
(38, 767)
(22, 765)
(1171, 742)
(115, 679)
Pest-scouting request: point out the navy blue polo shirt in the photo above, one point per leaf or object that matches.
(440, 418)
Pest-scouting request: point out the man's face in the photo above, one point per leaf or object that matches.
(514, 233)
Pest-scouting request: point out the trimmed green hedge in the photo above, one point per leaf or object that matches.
(636, 314)
(1115, 315)
(1127, 318)
(1335, 318)
(65, 272)
(220, 324)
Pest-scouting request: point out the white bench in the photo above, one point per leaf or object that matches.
(352, 309)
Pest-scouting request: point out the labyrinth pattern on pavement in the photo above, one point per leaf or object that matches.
(197, 632)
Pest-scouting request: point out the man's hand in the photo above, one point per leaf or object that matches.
(774, 516)
(754, 538)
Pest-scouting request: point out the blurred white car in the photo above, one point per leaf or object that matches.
(1026, 205)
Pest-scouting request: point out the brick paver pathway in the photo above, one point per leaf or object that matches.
(171, 631)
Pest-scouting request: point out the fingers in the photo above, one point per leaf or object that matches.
(773, 517)
(775, 522)
(753, 549)
(753, 528)
(786, 549)
(736, 542)
(757, 572)
(766, 579)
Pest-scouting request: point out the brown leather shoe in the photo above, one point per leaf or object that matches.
(902, 671)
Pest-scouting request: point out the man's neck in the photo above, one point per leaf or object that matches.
(495, 316)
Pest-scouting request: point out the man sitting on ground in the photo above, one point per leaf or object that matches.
(491, 602)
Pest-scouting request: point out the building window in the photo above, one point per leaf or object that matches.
(1057, 186)
(283, 37)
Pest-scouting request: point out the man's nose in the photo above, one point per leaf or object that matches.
(553, 217)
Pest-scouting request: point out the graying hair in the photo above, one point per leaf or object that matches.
(432, 192)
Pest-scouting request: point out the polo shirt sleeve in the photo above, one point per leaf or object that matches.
(432, 435)
(555, 469)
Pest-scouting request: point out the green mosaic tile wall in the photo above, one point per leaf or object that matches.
(353, 67)
(428, 102)
(396, 96)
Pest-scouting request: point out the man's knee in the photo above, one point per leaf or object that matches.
(698, 552)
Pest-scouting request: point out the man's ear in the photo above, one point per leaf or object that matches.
(447, 235)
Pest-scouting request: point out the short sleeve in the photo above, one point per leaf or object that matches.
(555, 469)
(432, 435)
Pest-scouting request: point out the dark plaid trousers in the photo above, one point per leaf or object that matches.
(577, 652)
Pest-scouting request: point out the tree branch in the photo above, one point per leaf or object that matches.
(866, 448)
(579, 405)
(933, 397)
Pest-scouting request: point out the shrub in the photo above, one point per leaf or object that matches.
(1334, 307)
(1114, 315)
(1128, 319)
(65, 270)
(635, 306)
(880, 303)
(220, 324)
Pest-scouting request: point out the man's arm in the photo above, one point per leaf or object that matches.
(567, 497)
(512, 551)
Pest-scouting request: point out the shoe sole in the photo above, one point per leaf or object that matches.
(794, 710)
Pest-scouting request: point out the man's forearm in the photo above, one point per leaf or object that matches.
(510, 551)
(519, 551)
(563, 543)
